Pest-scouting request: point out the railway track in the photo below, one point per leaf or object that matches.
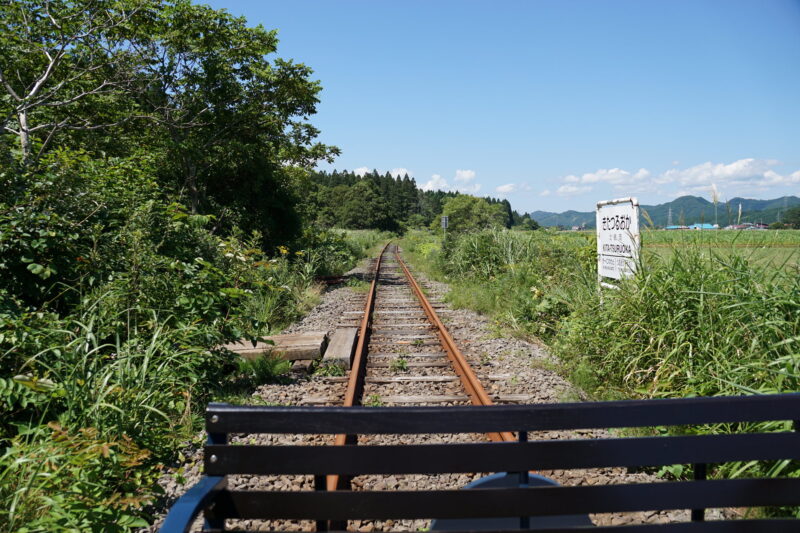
(406, 360)
(405, 355)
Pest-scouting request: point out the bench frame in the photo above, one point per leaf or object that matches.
(212, 497)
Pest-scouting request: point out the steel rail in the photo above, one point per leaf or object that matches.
(355, 383)
(477, 394)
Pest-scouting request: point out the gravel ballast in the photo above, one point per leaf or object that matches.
(514, 368)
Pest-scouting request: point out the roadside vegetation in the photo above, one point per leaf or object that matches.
(152, 179)
(159, 198)
(706, 319)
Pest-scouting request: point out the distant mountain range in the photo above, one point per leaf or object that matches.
(685, 210)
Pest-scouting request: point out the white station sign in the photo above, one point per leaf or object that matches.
(618, 239)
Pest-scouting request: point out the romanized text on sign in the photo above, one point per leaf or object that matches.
(617, 238)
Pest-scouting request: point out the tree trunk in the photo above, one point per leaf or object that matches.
(191, 185)
(24, 135)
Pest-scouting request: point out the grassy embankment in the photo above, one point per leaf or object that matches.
(705, 316)
(110, 391)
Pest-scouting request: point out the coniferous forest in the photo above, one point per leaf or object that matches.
(381, 201)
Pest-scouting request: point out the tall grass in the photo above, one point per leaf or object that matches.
(112, 411)
(701, 321)
(689, 325)
(96, 401)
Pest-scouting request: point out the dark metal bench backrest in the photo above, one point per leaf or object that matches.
(222, 460)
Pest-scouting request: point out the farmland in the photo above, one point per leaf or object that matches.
(712, 313)
(709, 313)
(776, 248)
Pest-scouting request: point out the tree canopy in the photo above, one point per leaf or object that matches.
(328, 201)
(792, 217)
(195, 88)
(468, 213)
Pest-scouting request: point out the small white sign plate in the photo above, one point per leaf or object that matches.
(618, 239)
(445, 220)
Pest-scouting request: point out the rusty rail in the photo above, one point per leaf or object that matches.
(355, 383)
(477, 394)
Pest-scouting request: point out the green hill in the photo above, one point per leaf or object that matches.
(685, 210)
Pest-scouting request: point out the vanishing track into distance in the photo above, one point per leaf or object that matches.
(405, 356)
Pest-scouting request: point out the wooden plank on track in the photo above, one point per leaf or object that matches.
(412, 379)
(402, 325)
(405, 355)
(421, 399)
(438, 398)
(309, 345)
(431, 379)
(422, 364)
(376, 345)
(404, 333)
(340, 349)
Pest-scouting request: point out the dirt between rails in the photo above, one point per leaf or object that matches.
(529, 366)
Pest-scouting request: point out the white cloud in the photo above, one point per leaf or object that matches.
(401, 172)
(621, 180)
(545, 192)
(749, 175)
(572, 190)
(395, 172)
(469, 189)
(437, 182)
(508, 188)
(464, 176)
(614, 176)
(744, 176)
(749, 169)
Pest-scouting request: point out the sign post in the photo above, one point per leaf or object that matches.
(445, 220)
(618, 239)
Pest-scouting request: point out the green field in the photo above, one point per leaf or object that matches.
(709, 313)
(744, 238)
(773, 248)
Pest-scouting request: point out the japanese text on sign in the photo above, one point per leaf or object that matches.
(617, 238)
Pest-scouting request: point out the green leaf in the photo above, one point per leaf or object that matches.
(36, 268)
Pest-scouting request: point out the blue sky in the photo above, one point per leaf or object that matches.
(555, 104)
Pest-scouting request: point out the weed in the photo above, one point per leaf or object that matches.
(266, 368)
(358, 285)
(374, 400)
(546, 363)
(330, 370)
(400, 364)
